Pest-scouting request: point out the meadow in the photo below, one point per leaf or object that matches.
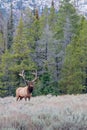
(66, 112)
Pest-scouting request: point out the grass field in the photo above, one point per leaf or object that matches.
(67, 112)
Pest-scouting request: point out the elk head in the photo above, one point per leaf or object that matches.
(30, 84)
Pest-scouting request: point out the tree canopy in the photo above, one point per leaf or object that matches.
(54, 43)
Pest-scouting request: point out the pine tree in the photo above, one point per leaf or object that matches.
(2, 34)
(73, 79)
(67, 23)
(1, 43)
(21, 49)
(52, 16)
(49, 61)
(66, 27)
(10, 28)
(15, 61)
(32, 25)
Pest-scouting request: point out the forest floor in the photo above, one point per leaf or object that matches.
(67, 112)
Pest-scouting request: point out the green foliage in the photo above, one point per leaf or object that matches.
(10, 28)
(67, 23)
(54, 43)
(36, 29)
(46, 86)
(52, 17)
(43, 87)
(16, 60)
(73, 72)
(21, 50)
(1, 40)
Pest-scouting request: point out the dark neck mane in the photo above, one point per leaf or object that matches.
(30, 89)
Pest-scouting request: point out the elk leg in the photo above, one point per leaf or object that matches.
(21, 98)
(25, 98)
(17, 98)
(29, 98)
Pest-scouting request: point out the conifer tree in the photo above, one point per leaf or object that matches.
(15, 61)
(2, 34)
(52, 16)
(66, 27)
(32, 26)
(48, 59)
(74, 75)
(1, 43)
(67, 23)
(21, 49)
(10, 28)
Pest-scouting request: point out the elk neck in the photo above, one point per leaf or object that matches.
(30, 87)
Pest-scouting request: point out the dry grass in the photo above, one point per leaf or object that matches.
(68, 112)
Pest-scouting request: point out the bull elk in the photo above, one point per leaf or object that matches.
(26, 92)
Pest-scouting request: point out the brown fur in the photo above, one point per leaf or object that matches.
(24, 92)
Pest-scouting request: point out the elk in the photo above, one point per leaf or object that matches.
(25, 92)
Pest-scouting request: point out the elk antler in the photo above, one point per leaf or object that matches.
(35, 73)
(22, 74)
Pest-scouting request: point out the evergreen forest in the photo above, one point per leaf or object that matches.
(53, 43)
